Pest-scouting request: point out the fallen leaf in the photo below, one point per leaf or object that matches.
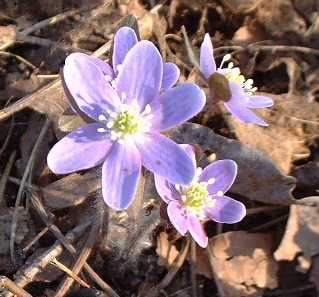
(279, 18)
(301, 235)
(291, 125)
(24, 229)
(7, 34)
(71, 190)
(166, 251)
(308, 175)
(243, 263)
(258, 177)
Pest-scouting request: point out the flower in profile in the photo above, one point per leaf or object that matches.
(124, 39)
(128, 119)
(241, 98)
(202, 199)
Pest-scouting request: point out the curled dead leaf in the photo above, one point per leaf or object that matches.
(243, 263)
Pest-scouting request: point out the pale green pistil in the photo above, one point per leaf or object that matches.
(195, 196)
(127, 123)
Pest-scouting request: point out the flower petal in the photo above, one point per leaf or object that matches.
(120, 174)
(207, 61)
(226, 210)
(176, 106)
(190, 150)
(81, 149)
(124, 39)
(177, 216)
(87, 85)
(259, 102)
(197, 231)
(165, 189)
(171, 74)
(103, 66)
(164, 157)
(237, 106)
(141, 75)
(223, 172)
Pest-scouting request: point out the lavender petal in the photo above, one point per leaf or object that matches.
(207, 61)
(197, 231)
(259, 101)
(165, 189)
(120, 174)
(177, 216)
(141, 75)
(221, 174)
(81, 149)
(164, 157)
(124, 39)
(176, 106)
(226, 210)
(86, 83)
(171, 74)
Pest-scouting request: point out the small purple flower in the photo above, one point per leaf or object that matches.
(128, 118)
(242, 99)
(124, 39)
(203, 199)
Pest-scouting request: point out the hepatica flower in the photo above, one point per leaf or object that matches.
(124, 39)
(202, 199)
(242, 99)
(128, 118)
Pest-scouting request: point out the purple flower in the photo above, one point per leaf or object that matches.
(128, 118)
(203, 199)
(124, 39)
(242, 98)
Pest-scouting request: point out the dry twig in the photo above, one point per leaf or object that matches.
(27, 274)
(8, 284)
(21, 188)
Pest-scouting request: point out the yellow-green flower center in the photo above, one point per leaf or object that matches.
(195, 196)
(127, 123)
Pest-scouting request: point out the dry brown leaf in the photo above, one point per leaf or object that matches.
(249, 33)
(243, 263)
(166, 251)
(71, 190)
(279, 17)
(24, 228)
(258, 177)
(301, 236)
(292, 122)
(7, 34)
(308, 175)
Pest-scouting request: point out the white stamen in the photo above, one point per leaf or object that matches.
(123, 95)
(220, 193)
(147, 109)
(226, 58)
(108, 78)
(110, 124)
(102, 117)
(199, 170)
(211, 181)
(101, 130)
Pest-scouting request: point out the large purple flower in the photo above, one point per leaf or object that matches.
(128, 118)
(242, 98)
(203, 199)
(124, 39)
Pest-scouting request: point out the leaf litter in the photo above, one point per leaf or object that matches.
(274, 42)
